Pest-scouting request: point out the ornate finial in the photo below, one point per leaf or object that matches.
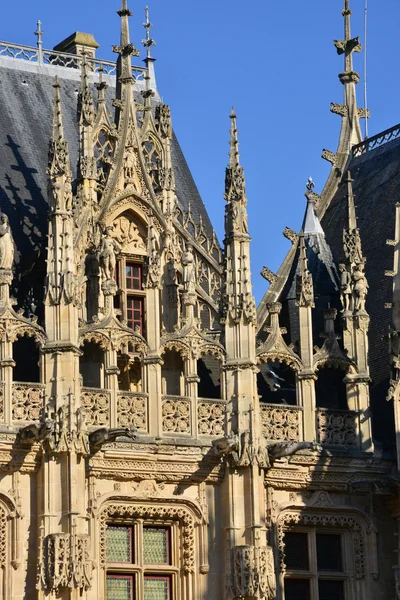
(101, 85)
(304, 280)
(347, 47)
(85, 100)
(234, 141)
(58, 130)
(124, 10)
(148, 42)
(39, 34)
(125, 49)
(310, 185)
(350, 202)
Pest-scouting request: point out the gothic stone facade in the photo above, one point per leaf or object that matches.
(161, 438)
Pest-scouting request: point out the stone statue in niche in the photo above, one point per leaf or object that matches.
(360, 287)
(345, 287)
(171, 278)
(127, 234)
(6, 244)
(108, 249)
(130, 164)
(189, 271)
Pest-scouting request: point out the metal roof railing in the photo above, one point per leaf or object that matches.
(377, 140)
(62, 59)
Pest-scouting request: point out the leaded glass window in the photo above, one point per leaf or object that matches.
(314, 565)
(119, 587)
(119, 544)
(142, 561)
(156, 588)
(155, 546)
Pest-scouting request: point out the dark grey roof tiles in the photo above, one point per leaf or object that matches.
(376, 186)
(26, 105)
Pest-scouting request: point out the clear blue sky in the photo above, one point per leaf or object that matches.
(274, 61)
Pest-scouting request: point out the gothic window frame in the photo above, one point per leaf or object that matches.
(177, 517)
(352, 524)
(312, 574)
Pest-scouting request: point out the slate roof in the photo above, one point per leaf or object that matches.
(26, 105)
(322, 267)
(376, 186)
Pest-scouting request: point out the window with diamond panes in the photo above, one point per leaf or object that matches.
(144, 555)
(119, 544)
(314, 566)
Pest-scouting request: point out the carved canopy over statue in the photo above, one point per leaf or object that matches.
(6, 244)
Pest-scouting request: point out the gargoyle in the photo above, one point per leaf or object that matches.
(281, 449)
(104, 436)
(32, 433)
(227, 445)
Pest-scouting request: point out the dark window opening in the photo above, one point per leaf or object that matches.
(26, 357)
(330, 389)
(172, 372)
(91, 365)
(208, 370)
(276, 383)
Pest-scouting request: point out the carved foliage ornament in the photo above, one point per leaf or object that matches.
(159, 512)
(66, 562)
(163, 120)
(252, 573)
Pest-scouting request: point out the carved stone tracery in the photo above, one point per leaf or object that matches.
(121, 512)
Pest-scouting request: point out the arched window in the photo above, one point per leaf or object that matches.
(91, 365)
(173, 374)
(276, 383)
(26, 356)
(330, 389)
(209, 373)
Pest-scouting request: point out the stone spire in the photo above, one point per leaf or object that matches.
(240, 300)
(350, 133)
(235, 193)
(148, 43)
(125, 50)
(351, 235)
(59, 169)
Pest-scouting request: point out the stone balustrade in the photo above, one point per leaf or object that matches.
(176, 415)
(27, 401)
(338, 427)
(97, 404)
(132, 410)
(281, 423)
(210, 417)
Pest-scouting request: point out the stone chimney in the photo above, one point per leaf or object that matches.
(78, 43)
